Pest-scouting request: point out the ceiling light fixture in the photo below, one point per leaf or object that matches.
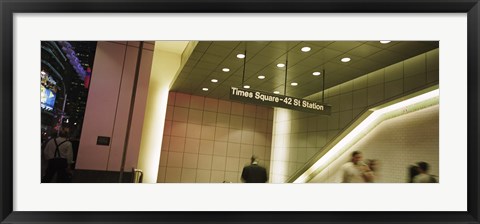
(306, 49)
(280, 65)
(205, 89)
(385, 41)
(214, 80)
(225, 69)
(261, 77)
(345, 59)
(316, 73)
(240, 56)
(246, 86)
(276, 92)
(294, 84)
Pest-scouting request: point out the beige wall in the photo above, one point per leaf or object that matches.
(396, 143)
(298, 135)
(168, 60)
(210, 140)
(108, 106)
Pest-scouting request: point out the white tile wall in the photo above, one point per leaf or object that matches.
(396, 144)
(295, 131)
(210, 141)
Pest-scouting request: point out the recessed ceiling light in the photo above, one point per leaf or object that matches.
(276, 92)
(246, 86)
(385, 41)
(205, 89)
(43, 73)
(225, 69)
(345, 59)
(294, 84)
(280, 65)
(261, 77)
(316, 73)
(214, 80)
(240, 56)
(306, 49)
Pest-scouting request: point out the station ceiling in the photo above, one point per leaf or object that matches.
(210, 57)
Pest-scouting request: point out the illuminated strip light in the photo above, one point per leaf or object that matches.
(369, 122)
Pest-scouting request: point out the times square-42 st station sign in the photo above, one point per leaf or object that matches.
(275, 100)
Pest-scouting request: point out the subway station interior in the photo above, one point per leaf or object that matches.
(197, 111)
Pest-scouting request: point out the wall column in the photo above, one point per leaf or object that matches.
(167, 61)
(108, 106)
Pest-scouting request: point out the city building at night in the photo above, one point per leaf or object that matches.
(56, 74)
(65, 75)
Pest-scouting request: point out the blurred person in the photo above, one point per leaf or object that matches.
(58, 153)
(356, 171)
(254, 173)
(372, 175)
(412, 173)
(423, 175)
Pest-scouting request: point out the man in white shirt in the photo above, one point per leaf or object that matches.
(356, 171)
(58, 153)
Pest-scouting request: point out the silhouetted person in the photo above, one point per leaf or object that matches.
(412, 172)
(254, 173)
(424, 176)
(58, 153)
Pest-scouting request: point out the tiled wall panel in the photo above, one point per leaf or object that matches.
(210, 141)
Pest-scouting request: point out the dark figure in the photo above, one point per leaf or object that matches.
(58, 153)
(424, 176)
(412, 173)
(254, 173)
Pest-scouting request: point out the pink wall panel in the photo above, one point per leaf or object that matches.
(123, 110)
(211, 140)
(108, 107)
(101, 106)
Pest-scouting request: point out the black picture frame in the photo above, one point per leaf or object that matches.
(9, 7)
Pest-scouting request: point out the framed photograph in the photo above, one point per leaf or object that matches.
(190, 102)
